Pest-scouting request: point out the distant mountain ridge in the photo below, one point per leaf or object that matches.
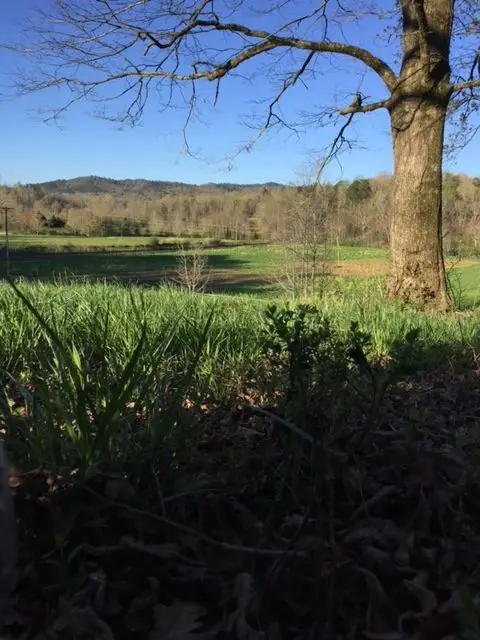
(96, 185)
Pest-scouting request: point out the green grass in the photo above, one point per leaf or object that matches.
(94, 348)
(60, 241)
(79, 312)
(68, 243)
(243, 269)
(136, 265)
(465, 282)
(73, 356)
(263, 261)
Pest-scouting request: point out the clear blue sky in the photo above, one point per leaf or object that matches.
(33, 151)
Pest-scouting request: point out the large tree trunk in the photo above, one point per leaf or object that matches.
(418, 112)
(418, 271)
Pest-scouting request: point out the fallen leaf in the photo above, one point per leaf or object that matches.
(426, 597)
(236, 620)
(119, 489)
(82, 623)
(177, 621)
(381, 618)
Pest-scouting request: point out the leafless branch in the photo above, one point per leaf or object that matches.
(105, 50)
(339, 141)
(470, 84)
(271, 41)
(367, 108)
(290, 82)
(225, 546)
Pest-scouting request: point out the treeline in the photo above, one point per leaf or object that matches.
(348, 212)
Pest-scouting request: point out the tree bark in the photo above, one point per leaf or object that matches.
(418, 270)
(418, 111)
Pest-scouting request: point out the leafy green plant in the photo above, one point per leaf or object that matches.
(455, 285)
(308, 357)
(324, 372)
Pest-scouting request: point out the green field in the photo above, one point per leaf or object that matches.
(236, 269)
(63, 242)
(66, 243)
(253, 269)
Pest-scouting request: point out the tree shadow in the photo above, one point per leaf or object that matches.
(131, 267)
(437, 392)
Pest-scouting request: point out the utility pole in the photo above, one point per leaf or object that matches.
(7, 244)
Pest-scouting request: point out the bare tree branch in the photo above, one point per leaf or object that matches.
(290, 82)
(272, 41)
(367, 108)
(339, 141)
(470, 84)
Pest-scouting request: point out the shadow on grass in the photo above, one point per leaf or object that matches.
(145, 268)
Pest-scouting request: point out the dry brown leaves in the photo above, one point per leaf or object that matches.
(387, 548)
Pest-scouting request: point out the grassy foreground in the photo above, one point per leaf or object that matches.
(92, 316)
(207, 466)
(135, 345)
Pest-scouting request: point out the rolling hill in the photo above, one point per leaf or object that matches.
(95, 185)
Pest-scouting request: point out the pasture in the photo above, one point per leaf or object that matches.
(64, 243)
(236, 268)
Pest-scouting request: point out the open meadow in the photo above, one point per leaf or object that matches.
(64, 243)
(234, 268)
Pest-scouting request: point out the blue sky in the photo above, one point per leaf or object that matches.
(34, 151)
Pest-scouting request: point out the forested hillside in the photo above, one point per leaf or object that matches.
(347, 212)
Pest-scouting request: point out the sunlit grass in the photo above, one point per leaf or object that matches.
(66, 243)
(74, 356)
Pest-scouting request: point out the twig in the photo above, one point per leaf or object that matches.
(385, 492)
(99, 551)
(281, 421)
(225, 546)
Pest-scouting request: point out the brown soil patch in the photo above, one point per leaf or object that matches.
(371, 267)
(378, 267)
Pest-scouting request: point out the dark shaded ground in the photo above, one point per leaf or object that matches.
(149, 269)
(120, 264)
(378, 537)
(130, 267)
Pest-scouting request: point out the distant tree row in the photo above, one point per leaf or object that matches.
(355, 212)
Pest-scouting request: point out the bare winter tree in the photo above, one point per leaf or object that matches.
(305, 270)
(192, 269)
(104, 50)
